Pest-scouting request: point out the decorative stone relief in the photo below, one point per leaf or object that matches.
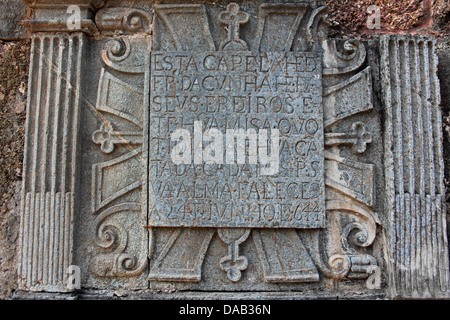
(353, 206)
(120, 104)
(414, 167)
(50, 162)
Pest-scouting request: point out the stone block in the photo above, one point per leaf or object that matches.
(230, 148)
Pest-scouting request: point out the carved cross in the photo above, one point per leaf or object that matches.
(233, 263)
(106, 137)
(358, 138)
(233, 18)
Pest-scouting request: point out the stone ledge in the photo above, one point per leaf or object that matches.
(188, 295)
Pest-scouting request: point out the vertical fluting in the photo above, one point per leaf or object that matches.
(51, 147)
(414, 172)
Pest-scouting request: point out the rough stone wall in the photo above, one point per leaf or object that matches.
(14, 59)
(12, 12)
(348, 19)
(428, 17)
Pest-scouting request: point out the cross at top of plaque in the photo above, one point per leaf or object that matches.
(233, 18)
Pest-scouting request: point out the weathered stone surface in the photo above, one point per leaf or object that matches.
(103, 192)
(50, 161)
(414, 167)
(11, 15)
(14, 60)
(227, 91)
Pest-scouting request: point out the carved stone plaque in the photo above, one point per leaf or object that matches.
(214, 149)
(233, 101)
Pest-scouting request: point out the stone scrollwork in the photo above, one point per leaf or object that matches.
(361, 238)
(340, 63)
(346, 196)
(350, 264)
(121, 237)
(102, 190)
(124, 20)
(116, 50)
(136, 20)
(358, 231)
(367, 229)
(339, 266)
(112, 235)
(335, 265)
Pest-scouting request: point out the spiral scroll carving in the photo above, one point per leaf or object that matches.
(112, 237)
(350, 59)
(116, 50)
(123, 20)
(340, 266)
(359, 238)
(136, 20)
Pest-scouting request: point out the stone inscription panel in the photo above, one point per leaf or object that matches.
(209, 94)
